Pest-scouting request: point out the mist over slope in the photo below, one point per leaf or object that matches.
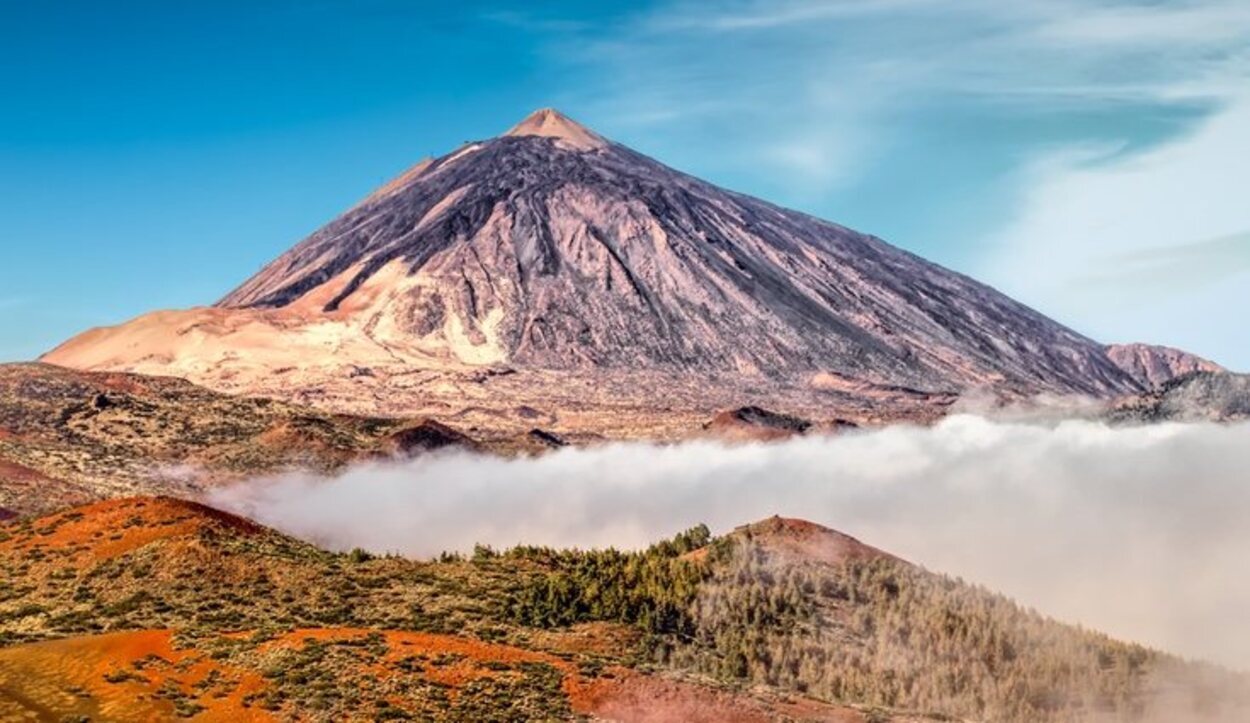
(1137, 531)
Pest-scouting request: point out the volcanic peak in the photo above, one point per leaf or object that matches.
(551, 123)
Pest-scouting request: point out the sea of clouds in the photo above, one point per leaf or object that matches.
(1142, 532)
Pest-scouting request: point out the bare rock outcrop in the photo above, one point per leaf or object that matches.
(755, 423)
(1196, 397)
(1154, 366)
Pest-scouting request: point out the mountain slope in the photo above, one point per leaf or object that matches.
(105, 612)
(107, 602)
(69, 437)
(541, 251)
(1154, 366)
(1198, 397)
(551, 248)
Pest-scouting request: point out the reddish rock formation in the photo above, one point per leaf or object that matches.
(1154, 366)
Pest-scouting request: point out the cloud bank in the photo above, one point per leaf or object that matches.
(1140, 532)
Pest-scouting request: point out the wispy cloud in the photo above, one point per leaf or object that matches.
(1113, 242)
(1163, 269)
(534, 22)
(769, 76)
(1201, 24)
(961, 46)
(745, 16)
(808, 99)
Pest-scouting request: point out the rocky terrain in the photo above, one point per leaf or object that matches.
(554, 271)
(68, 437)
(1197, 397)
(104, 615)
(1154, 366)
(756, 423)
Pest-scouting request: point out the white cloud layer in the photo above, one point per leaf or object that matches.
(1140, 532)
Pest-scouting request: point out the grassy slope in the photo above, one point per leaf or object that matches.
(203, 613)
(154, 607)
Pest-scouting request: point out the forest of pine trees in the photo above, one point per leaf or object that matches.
(873, 632)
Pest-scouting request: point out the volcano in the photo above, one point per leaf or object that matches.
(580, 266)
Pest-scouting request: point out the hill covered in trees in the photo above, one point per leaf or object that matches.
(777, 620)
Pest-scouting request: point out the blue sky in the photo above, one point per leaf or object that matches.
(1089, 157)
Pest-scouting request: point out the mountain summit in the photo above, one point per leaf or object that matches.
(551, 123)
(552, 250)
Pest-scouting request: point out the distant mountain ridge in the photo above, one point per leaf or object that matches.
(1201, 396)
(554, 250)
(1153, 366)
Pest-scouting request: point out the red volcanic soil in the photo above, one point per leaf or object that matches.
(141, 675)
(19, 482)
(755, 424)
(112, 528)
(118, 676)
(125, 383)
(96, 678)
(800, 540)
(473, 657)
(15, 472)
(425, 436)
(639, 698)
(626, 695)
